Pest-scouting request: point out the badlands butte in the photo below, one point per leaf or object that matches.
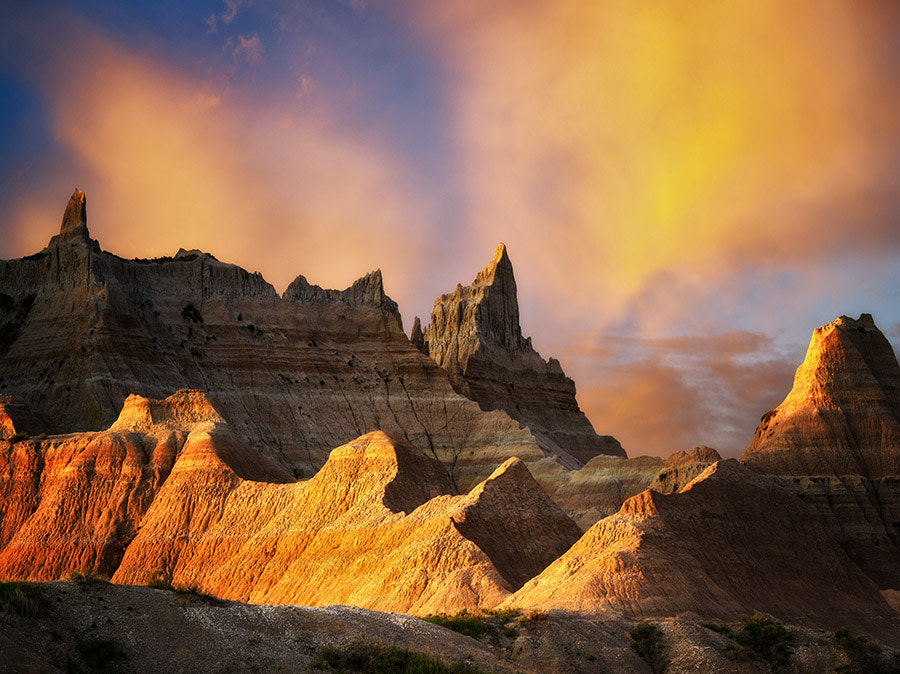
(178, 422)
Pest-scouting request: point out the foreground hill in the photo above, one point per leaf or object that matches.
(295, 375)
(169, 492)
(74, 626)
(835, 441)
(730, 543)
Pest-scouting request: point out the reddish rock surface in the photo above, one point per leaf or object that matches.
(835, 441)
(474, 334)
(169, 492)
(730, 543)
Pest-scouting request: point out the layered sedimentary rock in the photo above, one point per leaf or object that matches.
(379, 526)
(601, 487)
(16, 418)
(75, 502)
(295, 376)
(170, 492)
(474, 334)
(682, 467)
(835, 441)
(730, 543)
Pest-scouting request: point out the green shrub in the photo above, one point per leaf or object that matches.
(766, 638)
(101, 655)
(19, 436)
(375, 659)
(23, 599)
(865, 657)
(647, 641)
(470, 624)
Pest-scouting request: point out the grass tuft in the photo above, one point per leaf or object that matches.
(376, 659)
(22, 599)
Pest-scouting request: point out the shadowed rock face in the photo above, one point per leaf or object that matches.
(730, 543)
(16, 417)
(170, 490)
(474, 334)
(835, 441)
(295, 376)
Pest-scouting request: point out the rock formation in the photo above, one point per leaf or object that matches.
(601, 487)
(731, 543)
(474, 334)
(835, 441)
(842, 416)
(169, 491)
(682, 467)
(295, 376)
(17, 418)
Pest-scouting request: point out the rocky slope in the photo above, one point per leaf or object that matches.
(295, 376)
(169, 492)
(474, 334)
(730, 543)
(835, 441)
(140, 629)
(601, 487)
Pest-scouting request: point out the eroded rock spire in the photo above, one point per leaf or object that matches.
(75, 217)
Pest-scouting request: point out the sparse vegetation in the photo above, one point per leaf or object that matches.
(534, 616)
(489, 623)
(190, 313)
(85, 578)
(104, 656)
(19, 436)
(762, 637)
(376, 659)
(470, 624)
(648, 641)
(865, 657)
(22, 599)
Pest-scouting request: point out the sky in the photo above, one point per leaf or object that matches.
(686, 190)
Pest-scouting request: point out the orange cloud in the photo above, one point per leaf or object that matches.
(611, 142)
(165, 166)
(658, 396)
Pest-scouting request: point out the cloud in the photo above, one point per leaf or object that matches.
(658, 396)
(165, 166)
(226, 17)
(613, 143)
(249, 49)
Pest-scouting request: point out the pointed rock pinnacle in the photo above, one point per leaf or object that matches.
(75, 217)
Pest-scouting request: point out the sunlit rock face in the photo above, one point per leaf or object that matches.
(295, 376)
(474, 335)
(730, 543)
(75, 502)
(170, 492)
(835, 441)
